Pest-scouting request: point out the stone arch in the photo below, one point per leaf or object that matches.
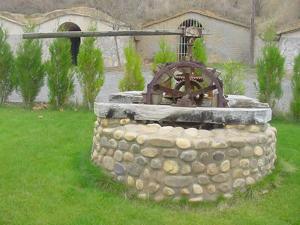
(183, 42)
(75, 42)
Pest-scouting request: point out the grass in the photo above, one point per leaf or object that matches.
(46, 178)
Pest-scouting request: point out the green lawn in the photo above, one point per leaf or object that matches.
(46, 178)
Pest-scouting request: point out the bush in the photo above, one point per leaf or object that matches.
(60, 77)
(164, 55)
(7, 81)
(270, 71)
(199, 51)
(30, 71)
(91, 70)
(295, 105)
(133, 79)
(233, 76)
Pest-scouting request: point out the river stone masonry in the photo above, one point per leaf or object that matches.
(165, 162)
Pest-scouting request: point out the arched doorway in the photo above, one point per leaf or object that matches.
(75, 42)
(183, 42)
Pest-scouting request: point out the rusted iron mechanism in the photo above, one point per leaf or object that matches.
(186, 83)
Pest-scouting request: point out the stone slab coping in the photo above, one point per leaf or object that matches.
(173, 114)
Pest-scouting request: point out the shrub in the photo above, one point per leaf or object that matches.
(7, 81)
(199, 51)
(91, 70)
(270, 71)
(295, 105)
(60, 77)
(164, 55)
(133, 79)
(233, 76)
(30, 71)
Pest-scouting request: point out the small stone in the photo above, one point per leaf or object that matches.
(260, 162)
(211, 189)
(108, 131)
(153, 187)
(245, 163)
(183, 143)
(201, 143)
(203, 179)
(204, 157)
(188, 156)
(128, 157)
(141, 160)
(218, 156)
(233, 152)
(247, 152)
(141, 139)
(237, 173)
(170, 152)
(165, 130)
(246, 173)
(178, 181)
(212, 169)
(220, 178)
(135, 148)
(119, 169)
(225, 187)
(254, 129)
(108, 163)
(159, 198)
(142, 196)
(110, 152)
(219, 144)
(130, 181)
(104, 123)
(198, 167)
(253, 163)
(171, 167)
(123, 145)
(168, 191)
(130, 136)
(193, 132)
(139, 184)
(197, 189)
(113, 143)
(161, 142)
(118, 156)
(156, 163)
(134, 169)
(149, 152)
(235, 163)
(185, 169)
(94, 155)
(121, 179)
(250, 181)
(225, 166)
(103, 151)
(237, 142)
(258, 151)
(146, 173)
(185, 191)
(195, 200)
(124, 121)
(118, 134)
(239, 183)
(104, 141)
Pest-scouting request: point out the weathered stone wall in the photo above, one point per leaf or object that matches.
(225, 40)
(173, 162)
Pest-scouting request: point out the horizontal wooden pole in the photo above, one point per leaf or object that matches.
(75, 34)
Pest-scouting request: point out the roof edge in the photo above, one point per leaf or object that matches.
(205, 13)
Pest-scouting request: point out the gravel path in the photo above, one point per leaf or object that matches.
(112, 80)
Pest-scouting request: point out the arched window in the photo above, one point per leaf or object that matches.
(183, 42)
(75, 42)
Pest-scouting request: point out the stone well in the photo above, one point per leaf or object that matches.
(206, 153)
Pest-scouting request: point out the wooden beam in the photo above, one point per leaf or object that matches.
(74, 34)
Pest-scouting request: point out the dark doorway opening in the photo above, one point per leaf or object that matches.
(75, 42)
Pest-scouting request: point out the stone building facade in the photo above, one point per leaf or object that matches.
(225, 39)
